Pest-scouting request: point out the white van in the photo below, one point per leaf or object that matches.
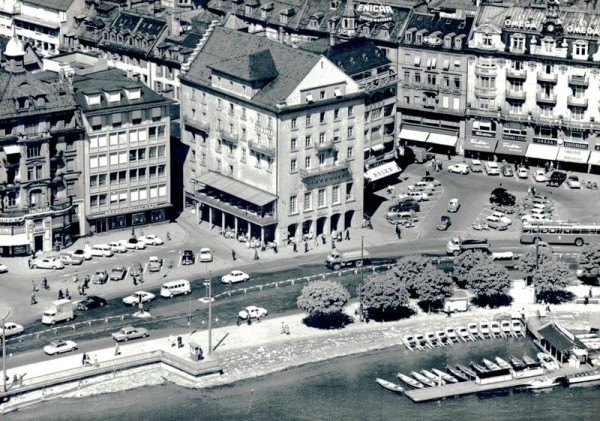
(102, 250)
(173, 288)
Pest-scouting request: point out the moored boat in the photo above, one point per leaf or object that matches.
(443, 339)
(479, 368)
(517, 363)
(420, 340)
(463, 333)
(452, 334)
(543, 383)
(431, 338)
(466, 370)
(410, 381)
(505, 326)
(457, 373)
(495, 329)
(473, 331)
(445, 376)
(491, 365)
(517, 327)
(433, 377)
(502, 363)
(587, 376)
(409, 342)
(422, 378)
(389, 385)
(548, 361)
(484, 328)
(528, 360)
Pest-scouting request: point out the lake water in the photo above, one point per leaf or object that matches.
(340, 389)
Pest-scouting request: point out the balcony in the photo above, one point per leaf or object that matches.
(263, 149)
(482, 92)
(197, 124)
(483, 112)
(378, 81)
(343, 168)
(547, 77)
(246, 214)
(516, 74)
(228, 136)
(324, 146)
(575, 80)
(545, 98)
(574, 101)
(515, 95)
(486, 70)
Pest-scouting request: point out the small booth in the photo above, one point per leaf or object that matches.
(196, 352)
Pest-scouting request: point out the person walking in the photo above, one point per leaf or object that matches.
(347, 234)
(256, 253)
(295, 246)
(67, 295)
(33, 300)
(60, 294)
(29, 263)
(275, 249)
(398, 232)
(233, 255)
(34, 287)
(305, 247)
(84, 359)
(45, 284)
(117, 350)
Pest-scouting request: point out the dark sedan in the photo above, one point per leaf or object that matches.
(187, 257)
(136, 269)
(444, 223)
(93, 301)
(557, 178)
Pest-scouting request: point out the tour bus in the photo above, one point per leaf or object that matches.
(170, 289)
(560, 233)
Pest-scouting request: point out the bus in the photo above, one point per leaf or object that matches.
(560, 233)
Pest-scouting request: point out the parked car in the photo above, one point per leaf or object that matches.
(117, 247)
(502, 216)
(422, 186)
(86, 253)
(444, 223)
(235, 276)
(136, 269)
(501, 196)
(60, 346)
(100, 277)
(129, 332)
(252, 312)
(138, 297)
(90, 302)
(206, 255)
(507, 170)
(540, 176)
(47, 263)
(155, 263)
(431, 180)
(405, 207)
(188, 257)
(476, 165)
(70, 259)
(401, 218)
(152, 240)
(453, 205)
(3, 268)
(535, 218)
(459, 168)
(496, 223)
(522, 172)
(11, 329)
(118, 273)
(573, 182)
(133, 244)
(416, 195)
(557, 178)
(540, 211)
(492, 168)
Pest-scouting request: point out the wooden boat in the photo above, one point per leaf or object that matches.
(409, 342)
(478, 368)
(464, 334)
(505, 326)
(431, 338)
(495, 329)
(472, 327)
(587, 376)
(410, 381)
(528, 360)
(502, 363)
(442, 338)
(492, 366)
(517, 327)
(452, 334)
(457, 373)
(543, 383)
(433, 377)
(517, 363)
(422, 378)
(445, 376)
(548, 361)
(390, 386)
(466, 370)
(484, 328)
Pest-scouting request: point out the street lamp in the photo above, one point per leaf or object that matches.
(4, 350)
(209, 313)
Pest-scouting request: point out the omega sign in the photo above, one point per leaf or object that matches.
(374, 12)
(521, 24)
(582, 28)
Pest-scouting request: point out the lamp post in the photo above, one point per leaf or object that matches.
(4, 351)
(209, 313)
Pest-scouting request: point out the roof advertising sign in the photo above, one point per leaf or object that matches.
(374, 12)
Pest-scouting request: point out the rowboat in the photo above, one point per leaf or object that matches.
(441, 335)
(457, 373)
(445, 376)
(451, 334)
(420, 339)
(495, 329)
(389, 385)
(463, 333)
(528, 360)
(484, 328)
(543, 383)
(409, 342)
(517, 363)
(517, 327)
(466, 370)
(491, 365)
(410, 381)
(502, 363)
(433, 377)
(474, 331)
(422, 378)
(431, 338)
(478, 368)
(505, 326)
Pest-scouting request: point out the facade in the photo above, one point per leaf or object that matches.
(41, 166)
(275, 138)
(127, 167)
(533, 97)
(433, 77)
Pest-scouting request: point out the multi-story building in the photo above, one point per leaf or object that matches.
(433, 78)
(127, 167)
(41, 165)
(534, 92)
(275, 139)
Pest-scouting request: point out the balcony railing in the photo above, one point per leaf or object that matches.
(197, 124)
(325, 145)
(516, 74)
(575, 80)
(324, 169)
(485, 92)
(574, 101)
(229, 137)
(266, 219)
(485, 70)
(547, 77)
(264, 149)
(513, 94)
(378, 81)
(545, 98)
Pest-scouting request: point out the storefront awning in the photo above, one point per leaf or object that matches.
(594, 158)
(483, 145)
(378, 147)
(415, 135)
(12, 149)
(442, 139)
(542, 152)
(382, 171)
(13, 240)
(578, 156)
(237, 188)
(510, 147)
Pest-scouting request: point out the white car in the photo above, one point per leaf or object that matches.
(11, 329)
(47, 263)
(496, 223)
(540, 211)
(492, 168)
(3, 268)
(206, 255)
(502, 216)
(152, 240)
(535, 218)
(117, 247)
(235, 276)
(540, 176)
(522, 172)
(453, 205)
(252, 312)
(421, 186)
(138, 297)
(133, 244)
(418, 196)
(60, 346)
(573, 182)
(459, 168)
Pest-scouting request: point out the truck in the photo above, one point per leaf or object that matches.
(458, 302)
(58, 311)
(338, 258)
(457, 245)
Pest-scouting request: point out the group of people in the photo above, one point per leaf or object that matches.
(87, 360)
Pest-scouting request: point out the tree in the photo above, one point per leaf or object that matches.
(384, 297)
(324, 301)
(528, 262)
(408, 269)
(589, 260)
(466, 261)
(490, 282)
(551, 280)
(432, 286)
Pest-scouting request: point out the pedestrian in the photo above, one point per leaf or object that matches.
(324, 239)
(239, 320)
(317, 240)
(33, 300)
(275, 249)
(249, 320)
(586, 300)
(34, 286)
(295, 247)
(347, 234)
(15, 379)
(256, 253)
(398, 232)
(45, 284)
(332, 243)
(548, 308)
(60, 294)
(29, 263)
(67, 295)
(449, 156)
(590, 293)
(79, 289)
(305, 247)
(282, 328)
(427, 174)
(233, 255)
(263, 246)
(135, 280)
(117, 350)
(84, 359)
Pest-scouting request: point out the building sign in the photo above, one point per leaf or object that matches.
(482, 133)
(334, 177)
(374, 12)
(582, 28)
(484, 145)
(515, 137)
(528, 25)
(545, 141)
(132, 209)
(575, 145)
(511, 148)
(264, 130)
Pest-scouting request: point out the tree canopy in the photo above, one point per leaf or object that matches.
(589, 259)
(324, 301)
(408, 269)
(490, 282)
(527, 261)
(466, 261)
(384, 296)
(551, 280)
(432, 286)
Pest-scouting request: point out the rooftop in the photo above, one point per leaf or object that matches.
(356, 55)
(559, 339)
(61, 5)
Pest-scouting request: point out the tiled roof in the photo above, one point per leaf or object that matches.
(111, 80)
(558, 340)
(291, 64)
(427, 23)
(357, 55)
(251, 67)
(62, 5)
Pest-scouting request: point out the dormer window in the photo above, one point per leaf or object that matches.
(487, 40)
(134, 94)
(548, 45)
(447, 41)
(22, 103)
(113, 96)
(283, 18)
(309, 98)
(517, 42)
(40, 101)
(93, 99)
(419, 39)
(580, 49)
(408, 38)
(458, 43)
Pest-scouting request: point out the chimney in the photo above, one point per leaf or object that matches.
(175, 25)
(280, 35)
(331, 39)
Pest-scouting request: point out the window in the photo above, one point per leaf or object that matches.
(321, 138)
(294, 165)
(322, 118)
(517, 42)
(152, 152)
(580, 49)
(577, 113)
(156, 132)
(322, 159)
(102, 180)
(548, 45)
(350, 132)
(293, 204)
(102, 141)
(162, 190)
(134, 196)
(33, 151)
(117, 120)
(322, 202)
(113, 139)
(417, 77)
(336, 114)
(94, 181)
(336, 135)
(308, 120)
(123, 157)
(114, 158)
(294, 122)
(308, 201)
(153, 192)
(162, 151)
(349, 191)
(307, 162)
(102, 160)
(515, 107)
(487, 82)
(350, 152)
(294, 144)
(322, 95)
(431, 79)
(307, 142)
(487, 40)
(350, 111)
(335, 194)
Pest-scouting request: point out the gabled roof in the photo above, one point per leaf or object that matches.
(356, 56)
(558, 339)
(251, 67)
(291, 64)
(62, 5)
